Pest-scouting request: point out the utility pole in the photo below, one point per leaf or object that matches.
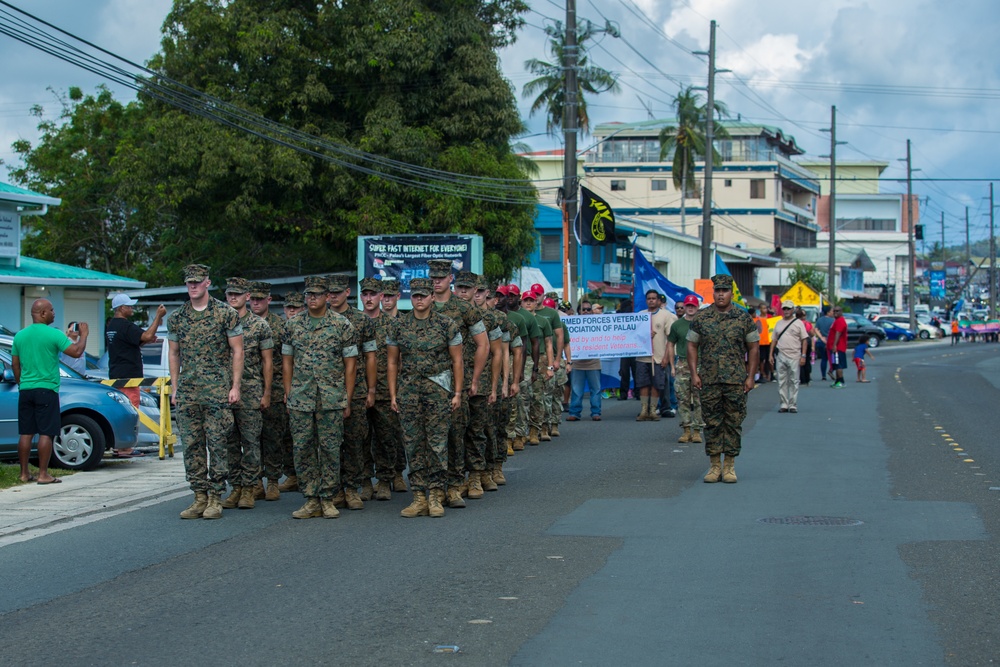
(993, 262)
(911, 291)
(707, 268)
(968, 250)
(570, 118)
(831, 266)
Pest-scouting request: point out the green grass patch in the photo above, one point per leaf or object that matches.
(10, 474)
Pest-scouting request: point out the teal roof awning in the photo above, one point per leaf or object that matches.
(18, 195)
(40, 272)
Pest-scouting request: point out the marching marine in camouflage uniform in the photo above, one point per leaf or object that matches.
(243, 447)
(477, 432)
(721, 337)
(206, 369)
(470, 324)
(553, 403)
(531, 336)
(356, 437)
(275, 438)
(425, 386)
(511, 349)
(390, 297)
(319, 354)
(383, 422)
(540, 388)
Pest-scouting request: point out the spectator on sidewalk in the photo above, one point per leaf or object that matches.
(35, 362)
(860, 350)
(626, 365)
(788, 353)
(823, 325)
(585, 373)
(836, 343)
(649, 370)
(688, 400)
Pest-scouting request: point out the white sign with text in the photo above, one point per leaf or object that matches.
(609, 336)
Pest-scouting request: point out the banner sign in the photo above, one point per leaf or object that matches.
(610, 336)
(405, 256)
(964, 327)
(937, 283)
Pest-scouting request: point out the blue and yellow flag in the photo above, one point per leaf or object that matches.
(720, 267)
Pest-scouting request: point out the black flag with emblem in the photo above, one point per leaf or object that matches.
(597, 220)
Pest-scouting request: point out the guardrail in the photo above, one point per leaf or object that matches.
(163, 429)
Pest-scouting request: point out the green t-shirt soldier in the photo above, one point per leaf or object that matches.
(425, 388)
(319, 354)
(205, 340)
(722, 337)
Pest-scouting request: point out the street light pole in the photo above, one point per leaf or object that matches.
(993, 262)
(911, 290)
(706, 214)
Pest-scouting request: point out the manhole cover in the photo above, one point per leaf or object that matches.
(811, 520)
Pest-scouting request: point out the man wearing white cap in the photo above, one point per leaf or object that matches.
(789, 345)
(124, 338)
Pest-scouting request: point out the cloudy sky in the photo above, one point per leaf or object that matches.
(895, 69)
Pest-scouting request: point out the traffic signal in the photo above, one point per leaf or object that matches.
(918, 232)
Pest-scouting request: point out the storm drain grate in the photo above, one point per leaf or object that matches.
(811, 520)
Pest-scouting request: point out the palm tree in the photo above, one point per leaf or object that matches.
(687, 140)
(548, 87)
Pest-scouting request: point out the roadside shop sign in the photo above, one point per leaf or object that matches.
(403, 257)
(802, 295)
(610, 336)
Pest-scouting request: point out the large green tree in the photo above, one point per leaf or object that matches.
(684, 143)
(549, 88)
(415, 81)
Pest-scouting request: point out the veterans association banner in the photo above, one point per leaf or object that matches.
(609, 336)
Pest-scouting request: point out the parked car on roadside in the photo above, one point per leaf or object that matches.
(859, 327)
(95, 418)
(894, 331)
(925, 330)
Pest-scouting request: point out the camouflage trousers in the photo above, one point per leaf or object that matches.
(352, 450)
(688, 400)
(387, 442)
(243, 447)
(316, 439)
(725, 408)
(518, 426)
(537, 405)
(204, 429)
(556, 402)
(456, 443)
(276, 442)
(500, 418)
(476, 433)
(425, 419)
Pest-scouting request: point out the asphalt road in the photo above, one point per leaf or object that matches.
(604, 548)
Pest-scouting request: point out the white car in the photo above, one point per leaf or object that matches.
(924, 331)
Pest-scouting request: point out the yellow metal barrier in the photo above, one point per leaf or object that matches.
(163, 429)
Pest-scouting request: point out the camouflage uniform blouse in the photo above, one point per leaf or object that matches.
(470, 324)
(277, 376)
(493, 332)
(364, 333)
(423, 347)
(257, 336)
(318, 347)
(722, 338)
(206, 373)
(383, 329)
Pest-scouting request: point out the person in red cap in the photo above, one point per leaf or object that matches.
(688, 402)
(541, 376)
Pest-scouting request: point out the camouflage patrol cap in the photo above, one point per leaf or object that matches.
(390, 287)
(337, 283)
(552, 295)
(195, 273)
(422, 286)
(371, 285)
(466, 279)
(237, 286)
(316, 285)
(722, 281)
(295, 300)
(259, 290)
(484, 284)
(439, 268)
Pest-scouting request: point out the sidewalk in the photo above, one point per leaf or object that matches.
(119, 485)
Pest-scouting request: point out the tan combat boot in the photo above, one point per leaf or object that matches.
(330, 510)
(233, 499)
(519, 443)
(545, 437)
(352, 499)
(417, 508)
(272, 490)
(554, 430)
(197, 508)
(398, 483)
(686, 435)
(498, 476)
(311, 510)
(383, 491)
(338, 500)
(533, 436)
(712, 476)
(214, 508)
(475, 485)
(729, 470)
(247, 498)
(644, 413)
(654, 414)
(510, 447)
(696, 436)
(258, 490)
(291, 483)
(367, 491)
(486, 480)
(435, 507)
(455, 498)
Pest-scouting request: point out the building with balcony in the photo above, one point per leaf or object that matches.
(760, 197)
